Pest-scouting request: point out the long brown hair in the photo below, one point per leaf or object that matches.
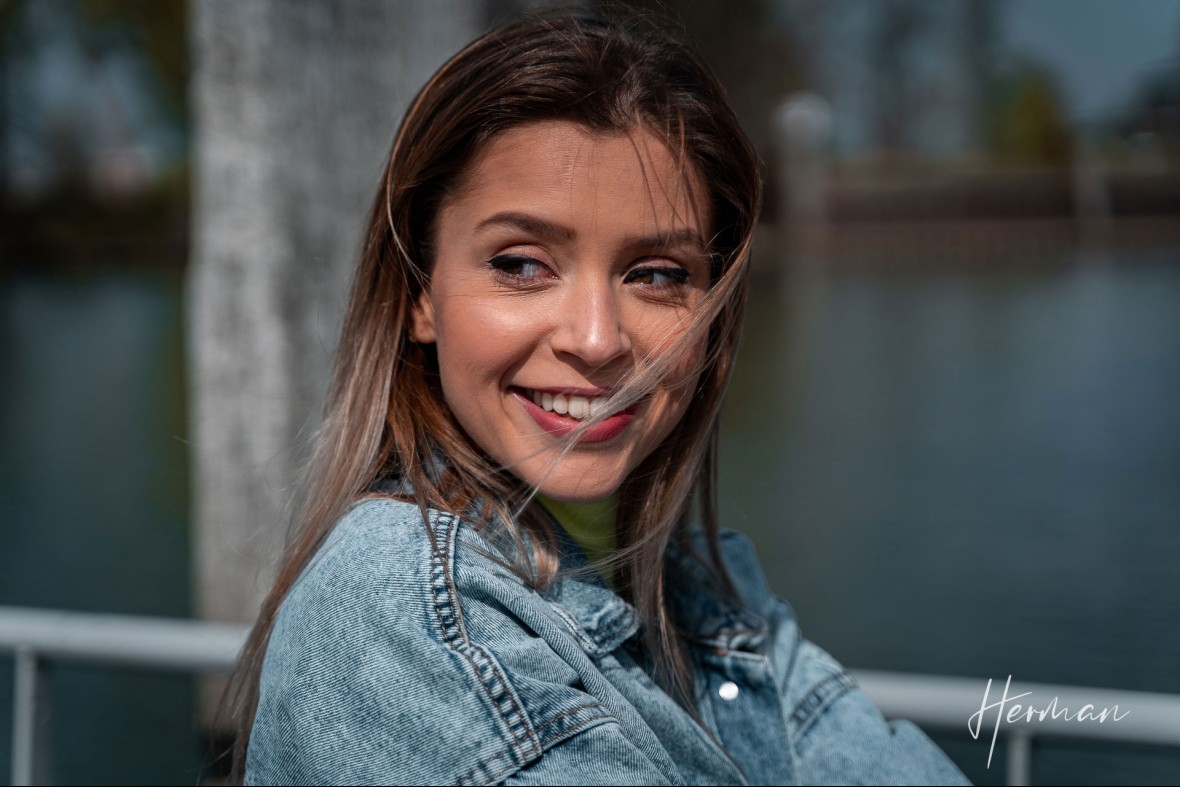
(385, 415)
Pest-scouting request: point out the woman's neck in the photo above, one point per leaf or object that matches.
(591, 525)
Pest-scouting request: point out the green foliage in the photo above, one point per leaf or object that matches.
(1025, 121)
(71, 223)
(158, 28)
(9, 14)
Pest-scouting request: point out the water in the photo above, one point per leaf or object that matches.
(973, 472)
(963, 471)
(93, 498)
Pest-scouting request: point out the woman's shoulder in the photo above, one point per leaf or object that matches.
(379, 522)
(388, 556)
(376, 670)
(366, 577)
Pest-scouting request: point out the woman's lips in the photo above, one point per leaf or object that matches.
(561, 425)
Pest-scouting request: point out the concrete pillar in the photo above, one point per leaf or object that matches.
(803, 128)
(294, 106)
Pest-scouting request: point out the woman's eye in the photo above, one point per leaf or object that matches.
(518, 266)
(658, 276)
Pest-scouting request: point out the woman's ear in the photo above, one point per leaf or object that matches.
(422, 321)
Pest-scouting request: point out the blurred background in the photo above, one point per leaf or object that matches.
(954, 433)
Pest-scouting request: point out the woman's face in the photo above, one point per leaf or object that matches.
(564, 259)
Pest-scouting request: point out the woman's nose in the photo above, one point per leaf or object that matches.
(591, 328)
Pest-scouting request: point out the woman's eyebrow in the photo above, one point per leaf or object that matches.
(685, 237)
(551, 231)
(542, 228)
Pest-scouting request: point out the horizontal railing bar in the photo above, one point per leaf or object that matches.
(949, 703)
(163, 643)
(930, 700)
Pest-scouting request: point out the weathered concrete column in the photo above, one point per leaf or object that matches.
(294, 107)
(803, 124)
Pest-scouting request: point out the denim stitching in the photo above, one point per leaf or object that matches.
(569, 732)
(574, 628)
(590, 643)
(446, 608)
(621, 620)
(515, 717)
(440, 587)
(576, 728)
(561, 716)
(820, 697)
(482, 773)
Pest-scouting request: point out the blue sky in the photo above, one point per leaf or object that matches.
(1097, 48)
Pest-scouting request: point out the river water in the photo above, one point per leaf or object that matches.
(966, 471)
(974, 472)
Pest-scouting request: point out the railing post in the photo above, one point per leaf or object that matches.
(1019, 758)
(29, 711)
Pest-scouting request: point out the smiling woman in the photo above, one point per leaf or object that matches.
(509, 569)
(565, 259)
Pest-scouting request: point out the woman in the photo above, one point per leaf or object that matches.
(509, 568)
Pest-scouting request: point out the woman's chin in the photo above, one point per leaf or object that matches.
(578, 496)
(576, 485)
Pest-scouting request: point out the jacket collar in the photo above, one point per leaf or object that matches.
(595, 614)
(602, 620)
(707, 617)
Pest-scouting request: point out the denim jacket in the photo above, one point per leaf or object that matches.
(398, 659)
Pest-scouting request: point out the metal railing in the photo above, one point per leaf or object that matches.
(36, 637)
(1022, 711)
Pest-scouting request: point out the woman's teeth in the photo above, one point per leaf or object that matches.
(578, 407)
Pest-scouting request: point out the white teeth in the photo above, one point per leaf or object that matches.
(578, 407)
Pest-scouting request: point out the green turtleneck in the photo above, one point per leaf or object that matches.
(591, 525)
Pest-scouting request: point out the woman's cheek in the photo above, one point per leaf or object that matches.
(689, 366)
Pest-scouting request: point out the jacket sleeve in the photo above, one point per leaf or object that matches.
(839, 737)
(359, 683)
(601, 756)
